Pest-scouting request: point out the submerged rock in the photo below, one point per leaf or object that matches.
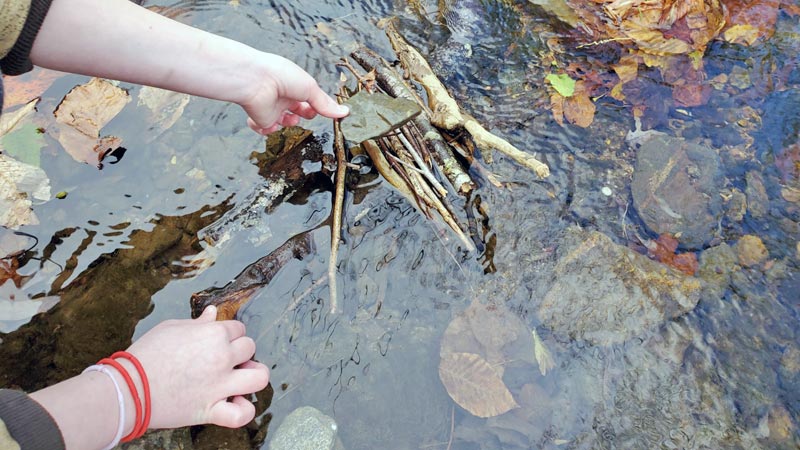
(605, 293)
(676, 187)
(306, 428)
(751, 251)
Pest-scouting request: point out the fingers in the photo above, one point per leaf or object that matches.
(232, 414)
(242, 350)
(326, 106)
(250, 378)
(209, 314)
(233, 328)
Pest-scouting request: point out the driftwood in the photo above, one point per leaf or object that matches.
(445, 112)
(231, 297)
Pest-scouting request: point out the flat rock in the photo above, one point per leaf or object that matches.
(676, 187)
(375, 114)
(605, 293)
(306, 428)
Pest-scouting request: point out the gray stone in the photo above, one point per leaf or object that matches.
(605, 293)
(676, 187)
(376, 114)
(306, 428)
(757, 198)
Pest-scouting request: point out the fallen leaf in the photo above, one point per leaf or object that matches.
(742, 34)
(20, 184)
(23, 88)
(166, 107)
(664, 250)
(8, 272)
(562, 83)
(10, 119)
(557, 107)
(24, 144)
(542, 354)
(475, 385)
(83, 112)
(579, 109)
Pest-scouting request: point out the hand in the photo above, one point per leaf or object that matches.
(285, 94)
(195, 366)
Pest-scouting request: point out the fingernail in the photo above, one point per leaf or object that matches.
(343, 109)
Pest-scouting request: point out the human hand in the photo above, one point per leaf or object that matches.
(284, 94)
(195, 366)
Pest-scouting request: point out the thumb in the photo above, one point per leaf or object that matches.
(209, 314)
(325, 105)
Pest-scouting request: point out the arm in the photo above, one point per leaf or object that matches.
(193, 366)
(120, 40)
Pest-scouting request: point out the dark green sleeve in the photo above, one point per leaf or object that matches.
(28, 422)
(18, 60)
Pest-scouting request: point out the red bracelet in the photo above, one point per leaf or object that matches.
(134, 393)
(145, 384)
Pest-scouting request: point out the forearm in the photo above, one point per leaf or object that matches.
(119, 40)
(86, 410)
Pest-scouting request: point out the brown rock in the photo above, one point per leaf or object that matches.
(780, 423)
(751, 251)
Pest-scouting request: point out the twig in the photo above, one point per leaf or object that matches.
(452, 426)
(422, 166)
(338, 202)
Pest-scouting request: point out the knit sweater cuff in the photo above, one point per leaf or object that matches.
(28, 422)
(18, 59)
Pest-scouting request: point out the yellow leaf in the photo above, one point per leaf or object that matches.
(742, 34)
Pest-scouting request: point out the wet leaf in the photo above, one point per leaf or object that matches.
(664, 249)
(557, 106)
(10, 119)
(375, 114)
(25, 144)
(542, 354)
(20, 184)
(562, 83)
(166, 107)
(83, 112)
(475, 385)
(8, 272)
(579, 109)
(22, 89)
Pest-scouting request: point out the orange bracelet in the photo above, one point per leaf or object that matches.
(146, 385)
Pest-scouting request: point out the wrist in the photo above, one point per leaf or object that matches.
(130, 405)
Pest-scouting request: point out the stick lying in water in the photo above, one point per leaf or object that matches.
(445, 112)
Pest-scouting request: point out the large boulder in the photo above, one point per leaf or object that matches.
(605, 293)
(676, 186)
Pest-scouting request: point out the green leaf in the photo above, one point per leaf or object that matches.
(24, 144)
(562, 83)
(373, 115)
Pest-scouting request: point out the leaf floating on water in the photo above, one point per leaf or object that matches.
(9, 120)
(475, 385)
(85, 110)
(373, 115)
(542, 354)
(18, 184)
(29, 86)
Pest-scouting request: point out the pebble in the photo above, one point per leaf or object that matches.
(751, 250)
(606, 191)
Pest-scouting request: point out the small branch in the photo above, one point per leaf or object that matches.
(338, 203)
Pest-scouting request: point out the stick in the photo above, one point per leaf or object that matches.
(446, 112)
(338, 202)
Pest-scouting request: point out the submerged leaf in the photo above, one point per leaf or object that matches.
(166, 107)
(25, 144)
(19, 184)
(475, 385)
(562, 83)
(542, 354)
(29, 86)
(375, 114)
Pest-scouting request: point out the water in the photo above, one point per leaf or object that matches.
(120, 253)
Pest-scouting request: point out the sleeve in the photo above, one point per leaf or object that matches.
(17, 60)
(28, 423)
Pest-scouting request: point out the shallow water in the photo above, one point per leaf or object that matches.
(118, 253)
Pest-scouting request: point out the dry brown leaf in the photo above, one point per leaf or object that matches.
(627, 68)
(26, 87)
(9, 120)
(579, 109)
(750, 20)
(83, 112)
(475, 385)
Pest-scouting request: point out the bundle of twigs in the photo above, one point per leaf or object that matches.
(416, 158)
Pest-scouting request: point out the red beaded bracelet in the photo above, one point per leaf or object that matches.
(134, 393)
(146, 386)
